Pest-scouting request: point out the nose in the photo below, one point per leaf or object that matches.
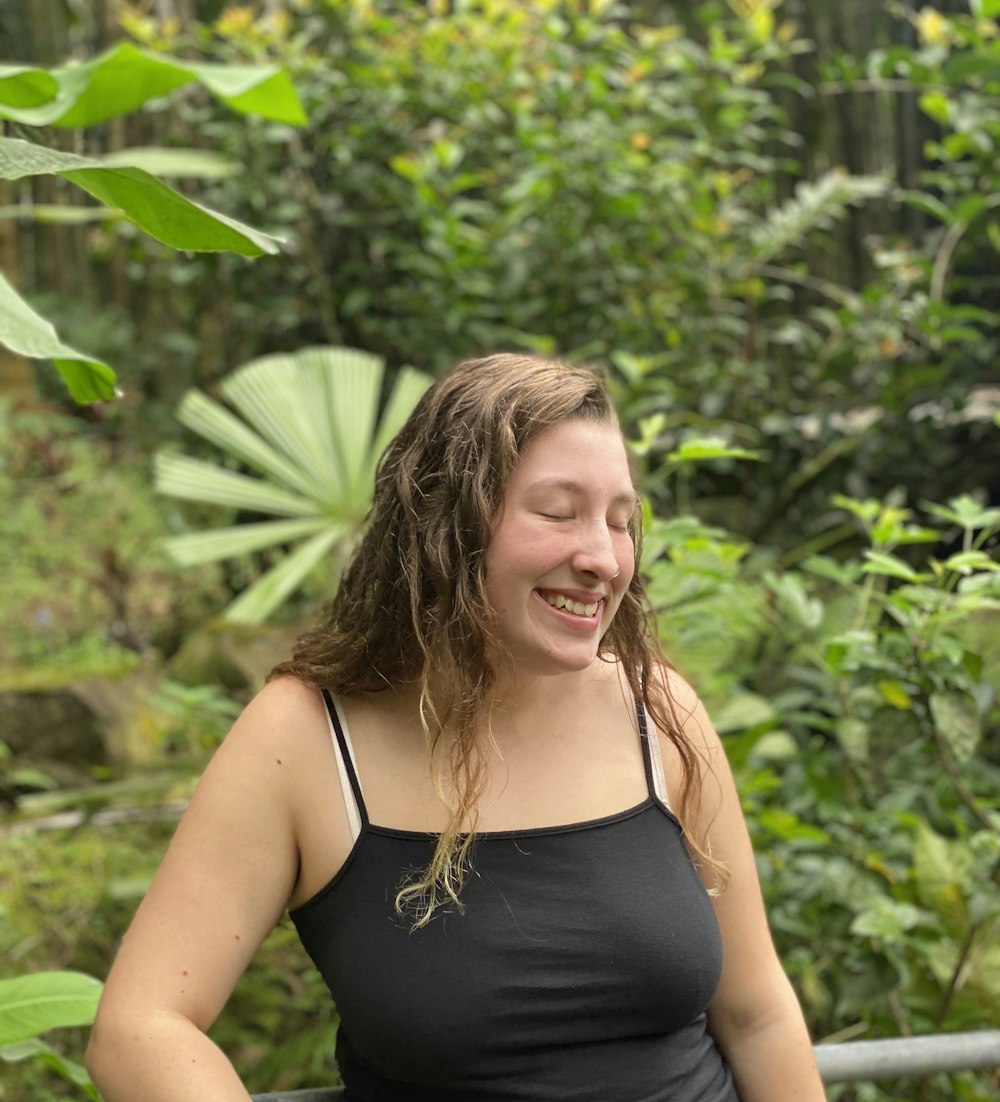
(595, 553)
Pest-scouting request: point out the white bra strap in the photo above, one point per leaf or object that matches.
(656, 763)
(351, 801)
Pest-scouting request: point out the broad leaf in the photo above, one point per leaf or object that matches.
(743, 711)
(125, 77)
(40, 1001)
(29, 334)
(24, 86)
(955, 716)
(159, 210)
(940, 870)
(881, 562)
(190, 164)
(699, 448)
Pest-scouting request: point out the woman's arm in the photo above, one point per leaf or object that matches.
(755, 1016)
(221, 888)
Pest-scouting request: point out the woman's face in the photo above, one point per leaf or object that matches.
(561, 556)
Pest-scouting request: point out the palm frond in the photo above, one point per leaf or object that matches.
(307, 422)
(195, 480)
(195, 548)
(216, 424)
(255, 604)
(409, 388)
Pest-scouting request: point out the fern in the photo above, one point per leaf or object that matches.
(815, 206)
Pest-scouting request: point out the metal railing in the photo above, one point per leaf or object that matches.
(847, 1062)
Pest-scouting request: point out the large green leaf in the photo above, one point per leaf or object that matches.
(125, 77)
(35, 1003)
(310, 428)
(29, 334)
(159, 210)
(24, 86)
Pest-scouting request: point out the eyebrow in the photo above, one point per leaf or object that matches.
(626, 497)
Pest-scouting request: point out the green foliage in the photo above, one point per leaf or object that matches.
(278, 1026)
(562, 177)
(566, 178)
(125, 77)
(547, 176)
(78, 95)
(311, 429)
(36, 1003)
(33, 1004)
(84, 573)
(861, 718)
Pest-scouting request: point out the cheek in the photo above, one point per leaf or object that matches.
(625, 554)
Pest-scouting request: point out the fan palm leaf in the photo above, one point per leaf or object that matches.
(306, 428)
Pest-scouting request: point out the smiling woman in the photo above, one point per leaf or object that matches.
(501, 823)
(561, 557)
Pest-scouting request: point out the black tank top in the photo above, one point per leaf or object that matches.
(580, 970)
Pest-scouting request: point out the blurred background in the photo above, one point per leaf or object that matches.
(773, 224)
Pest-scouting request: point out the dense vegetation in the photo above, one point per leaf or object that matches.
(802, 353)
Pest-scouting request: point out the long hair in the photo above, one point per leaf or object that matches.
(412, 608)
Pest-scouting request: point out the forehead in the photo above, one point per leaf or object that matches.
(578, 456)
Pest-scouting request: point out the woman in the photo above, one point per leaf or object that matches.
(467, 786)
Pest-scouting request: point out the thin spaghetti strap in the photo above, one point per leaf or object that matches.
(354, 800)
(651, 758)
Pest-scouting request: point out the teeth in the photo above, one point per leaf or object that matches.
(558, 600)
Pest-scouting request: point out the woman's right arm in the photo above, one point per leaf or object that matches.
(223, 884)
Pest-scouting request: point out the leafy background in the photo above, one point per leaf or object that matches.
(775, 226)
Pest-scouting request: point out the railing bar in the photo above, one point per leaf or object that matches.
(911, 1056)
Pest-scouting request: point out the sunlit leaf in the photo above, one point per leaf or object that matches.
(191, 164)
(880, 562)
(28, 334)
(159, 210)
(127, 76)
(40, 1001)
(700, 448)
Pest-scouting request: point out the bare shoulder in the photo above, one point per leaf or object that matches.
(684, 705)
(281, 713)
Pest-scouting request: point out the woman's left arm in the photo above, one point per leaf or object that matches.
(755, 1016)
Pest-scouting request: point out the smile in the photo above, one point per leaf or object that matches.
(567, 604)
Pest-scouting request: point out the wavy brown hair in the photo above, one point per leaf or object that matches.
(411, 607)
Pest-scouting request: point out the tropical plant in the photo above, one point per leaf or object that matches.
(310, 426)
(85, 94)
(33, 1004)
